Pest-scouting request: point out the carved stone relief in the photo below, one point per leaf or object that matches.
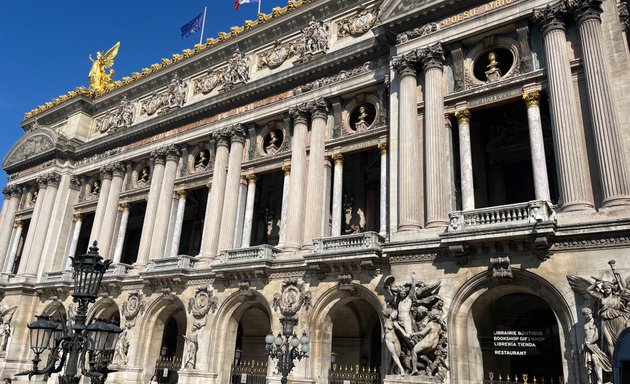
(199, 306)
(207, 83)
(6, 329)
(314, 39)
(133, 307)
(34, 145)
(276, 56)
(122, 347)
(292, 298)
(417, 32)
(237, 70)
(173, 97)
(357, 24)
(485, 55)
(343, 75)
(121, 117)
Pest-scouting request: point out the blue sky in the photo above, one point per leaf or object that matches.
(45, 45)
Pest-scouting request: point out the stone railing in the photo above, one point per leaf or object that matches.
(57, 277)
(532, 212)
(118, 269)
(257, 253)
(171, 263)
(366, 241)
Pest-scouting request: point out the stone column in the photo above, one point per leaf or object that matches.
(249, 210)
(163, 212)
(537, 144)
(157, 175)
(614, 178)
(34, 254)
(240, 212)
(42, 182)
(465, 160)
(295, 212)
(569, 142)
(179, 222)
(409, 153)
(286, 169)
(327, 190)
(436, 137)
(122, 232)
(77, 218)
(315, 180)
(214, 208)
(101, 205)
(13, 194)
(382, 147)
(106, 233)
(232, 182)
(17, 234)
(7, 196)
(337, 194)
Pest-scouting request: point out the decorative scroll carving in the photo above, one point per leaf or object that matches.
(99, 156)
(406, 64)
(276, 56)
(417, 32)
(583, 10)
(608, 301)
(501, 267)
(343, 75)
(133, 307)
(207, 83)
(344, 284)
(357, 24)
(121, 117)
(245, 289)
(291, 298)
(200, 305)
(173, 97)
(415, 331)
(432, 56)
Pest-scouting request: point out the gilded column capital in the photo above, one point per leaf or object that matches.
(209, 185)
(432, 57)
(583, 10)
(462, 116)
(18, 223)
(181, 193)
(300, 113)
(237, 134)
(159, 155)
(250, 177)
(406, 64)
(338, 158)
(551, 17)
(173, 152)
(382, 147)
(77, 216)
(222, 137)
(286, 168)
(532, 99)
(318, 108)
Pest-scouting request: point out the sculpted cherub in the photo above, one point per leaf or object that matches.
(98, 78)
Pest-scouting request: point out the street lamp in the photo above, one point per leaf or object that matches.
(76, 340)
(286, 347)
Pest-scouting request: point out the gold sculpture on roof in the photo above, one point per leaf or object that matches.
(99, 79)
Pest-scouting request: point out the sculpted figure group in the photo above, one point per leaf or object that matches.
(415, 331)
(604, 320)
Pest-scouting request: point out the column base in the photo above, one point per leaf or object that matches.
(437, 223)
(409, 228)
(616, 201)
(577, 206)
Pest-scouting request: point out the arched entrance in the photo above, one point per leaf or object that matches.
(621, 359)
(250, 359)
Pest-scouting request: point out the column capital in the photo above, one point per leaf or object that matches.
(318, 108)
(118, 168)
(286, 168)
(173, 152)
(338, 158)
(106, 171)
(532, 98)
(624, 15)
(53, 179)
(42, 181)
(382, 147)
(18, 223)
(583, 10)
(15, 190)
(222, 137)
(462, 116)
(432, 57)
(159, 155)
(181, 193)
(250, 177)
(300, 113)
(75, 182)
(6, 191)
(551, 17)
(237, 133)
(406, 64)
(77, 216)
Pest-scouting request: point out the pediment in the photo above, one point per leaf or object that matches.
(34, 144)
(392, 10)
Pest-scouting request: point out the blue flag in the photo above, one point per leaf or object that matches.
(193, 26)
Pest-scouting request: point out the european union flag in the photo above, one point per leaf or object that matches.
(193, 26)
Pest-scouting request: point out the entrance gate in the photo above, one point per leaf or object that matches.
(166, 369)
(249, 372)
(353, 375)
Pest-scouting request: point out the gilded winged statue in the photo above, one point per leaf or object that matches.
(99, 79)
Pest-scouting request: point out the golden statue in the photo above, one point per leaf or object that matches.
(99, 79)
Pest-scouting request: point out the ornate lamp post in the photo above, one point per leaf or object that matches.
(286, 347)
(76, 341)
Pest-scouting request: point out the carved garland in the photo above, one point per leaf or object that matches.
(199, 306)
(133, 307)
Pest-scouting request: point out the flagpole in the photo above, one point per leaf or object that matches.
(259, 1)
(203, 25)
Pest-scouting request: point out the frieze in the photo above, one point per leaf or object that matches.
(276, 56)
(413, 258)
(99, 156)
(173, 97)
(358, 24)
(594, 242)
(509, 94)
(122, 117)
(343, 75)
(207, 83)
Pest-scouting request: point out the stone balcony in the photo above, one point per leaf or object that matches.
(58, 277)
(245, 262)
(363, 249)
(171, 264)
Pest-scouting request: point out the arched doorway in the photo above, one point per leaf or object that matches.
(518, 334)
(621, 359)
(250, 359)
(356, 335)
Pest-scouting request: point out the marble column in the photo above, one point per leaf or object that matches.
(249, 210)
(465, 160)
(232, 182)
(315, 177)
(77, 219)
(295, 211)
(409, 152)
(122, 232)
(163, 212)
(570, 146)
(537, 145)
(42, 182)
(613, 172)
(286, 169)
(157, 176)
(17, 235)
(35, 253)
(101, 205)
(327, 190)
(240, 213)
(436, 137)
(382, 228)
(106, 234)
(206, 217)
(214, 208)
(337, 194)
(7, 197)
(179, 222)
(13, 194)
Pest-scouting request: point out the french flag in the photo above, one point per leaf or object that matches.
(237, 3)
